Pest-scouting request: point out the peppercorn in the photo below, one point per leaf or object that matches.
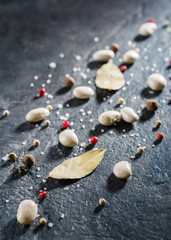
(160, 136)
(49, 107)
(140, 150)
(6, 113)
(158, 123)
(42, 221)
(29, 160)
(123, 68)
(69, 81)
(152, 105)
(13, 156)
(94, 140)
(47, 123)
(36, 143)
(114, 47)
(102, 201)
(66, 124)
(22, 170)
(120, 100)
(151, 20)
(43, 194)
(42, 92)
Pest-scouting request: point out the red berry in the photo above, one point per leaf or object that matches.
(94, 140)
(65, 124)
(170, 62)
(43, 194)
(151, 20)
(160, 136)
(42, 92)
(123, 68)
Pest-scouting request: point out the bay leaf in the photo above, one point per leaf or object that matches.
(78, 167)
(110, 77)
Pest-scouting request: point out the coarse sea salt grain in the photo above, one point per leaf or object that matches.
(89, 112)
(31, 84)
(89, 82)
(96, 39)
(35, 77)
(52, 65)
(60, 106)
(78, 57)
(61, 55)
(102, 130)
(48, 81)
(83, 126)
(49, 75)
(132, 74)
(50, 225)
(166, 59)
(43, 85)
(159, 49)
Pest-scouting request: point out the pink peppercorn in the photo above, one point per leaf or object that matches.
(66, 124)
(151, 20)
(160, 136)
(42, 92)
(43, 194)
(94, 140)
(123, 68)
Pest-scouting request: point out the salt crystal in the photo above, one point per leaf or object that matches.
(81, 120)
(49, 75)
(78, 57)
(83, 126)
(89, 82)
(89, 112)
(91, 120)
(52, 65)
(102, 130)
(159, 49)
(62, 215)
(36, 77)
(7, 200)
(96, 39)
(31, 84)
(50, 225)
(48, 81)
(61, 55)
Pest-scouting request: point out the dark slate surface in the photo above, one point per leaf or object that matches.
(34, 33)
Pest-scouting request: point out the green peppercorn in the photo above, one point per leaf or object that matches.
(13, 156)
(22, 170)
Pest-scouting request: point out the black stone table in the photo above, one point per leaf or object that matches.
(35, 33)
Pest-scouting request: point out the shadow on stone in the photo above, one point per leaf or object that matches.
(168, 67)
(63, 90)
(35, 98)
(149, 93)
(52, 183)
(95, 64)
(122, 125)
(58, 152)
(140, 38)
(32, 148)
(98, 209)
(156, 142)
(103, 93)
(38, 228)
(137, 156)
(16, 229)
(98, 130)
(75, 102)
(26, 126)
(2, 117)
(6, 163)
(89, 147)
(126, 64)
(155, 128)
(146, 115)
(114, 183)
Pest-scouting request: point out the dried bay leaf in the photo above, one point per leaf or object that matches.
(110, 77)
(78, 167)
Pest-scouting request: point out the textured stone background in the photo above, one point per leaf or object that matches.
(34, 33)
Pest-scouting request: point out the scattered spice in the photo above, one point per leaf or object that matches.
(43, 194)
(114, 47)
(42, 92)
(52, 65)
(160, 136)
(22, 170)
(42, 221)
(47, 123)
(69, 81)
(123, 68)
(13, 156)
(158, 123)
(65, 124)
(120, 100)
(50, 225)
(36, 142)
(152, 105)
(102, 201)
(140, 150)
(6, 112)
(49, 107)
(29, 160)
(94, 140)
